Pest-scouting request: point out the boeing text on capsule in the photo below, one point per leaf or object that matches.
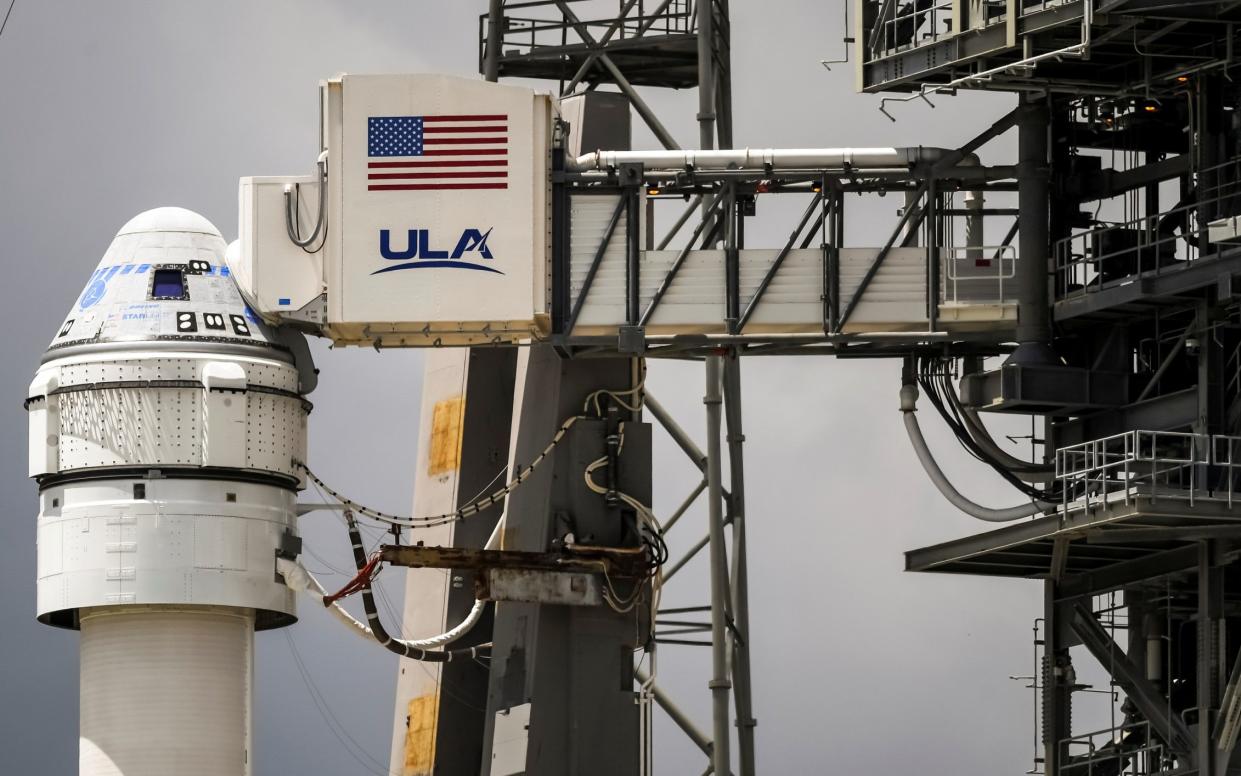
(468, 252)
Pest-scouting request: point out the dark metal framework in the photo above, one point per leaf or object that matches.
(1119, 218)
(1128, 179)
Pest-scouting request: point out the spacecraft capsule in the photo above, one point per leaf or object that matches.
(165, 419)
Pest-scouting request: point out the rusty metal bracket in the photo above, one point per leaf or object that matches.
(618, 562)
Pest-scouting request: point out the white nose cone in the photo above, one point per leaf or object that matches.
(169, 219)
(163, 279)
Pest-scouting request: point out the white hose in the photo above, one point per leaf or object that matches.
(297, 577)
(909, 395)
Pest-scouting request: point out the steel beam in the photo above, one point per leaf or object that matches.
(739, 584)
(720, 683)
(1132, 679)
(674, 712)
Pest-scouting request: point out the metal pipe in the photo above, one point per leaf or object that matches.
(763, 158)
(677, 433)
(672, 570)
(742, 696)
(675, 714)
(1033, 239)
(975, 202)
(495, 25)
(706, 73)
(719, 684)
(685, 505)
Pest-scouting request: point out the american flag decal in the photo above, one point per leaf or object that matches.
(437, 153)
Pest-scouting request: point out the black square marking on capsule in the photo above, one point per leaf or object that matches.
(65, 329)
(240, 327)
(213, 321)
(199, 267)
(186, 322)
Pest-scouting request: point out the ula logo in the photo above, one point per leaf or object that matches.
(418, 253)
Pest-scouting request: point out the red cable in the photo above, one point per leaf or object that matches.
(365, 576)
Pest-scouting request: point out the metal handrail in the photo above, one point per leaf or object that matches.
(1152, 749)
(1002, 257)
(1080, 269)
(1151, 464)
(527, 34)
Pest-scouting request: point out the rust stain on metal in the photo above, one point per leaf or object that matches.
(420, 735)
(621, 562)
(446, 422)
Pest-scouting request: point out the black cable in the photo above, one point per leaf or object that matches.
(6, 16)
(377, 628)
(933, 377)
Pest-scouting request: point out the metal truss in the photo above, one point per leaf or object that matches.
(718, 205)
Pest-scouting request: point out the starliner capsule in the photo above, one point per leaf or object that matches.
(165, 422)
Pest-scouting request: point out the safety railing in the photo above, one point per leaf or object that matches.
(900, 25)
(1148, 464)
(547, 26)
(979, 275)
(1131, 749)
(1150, 245)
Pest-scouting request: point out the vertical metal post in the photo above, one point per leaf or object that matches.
(495, 24)
(1209, 606)
(742, 696)
(706, 93)
(706, 74)
(932, 253)
(633, 246)
(1033, 241)
(1057, 681)
(719, 683)
(732, 260)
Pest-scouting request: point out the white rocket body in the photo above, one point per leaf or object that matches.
(164, 424)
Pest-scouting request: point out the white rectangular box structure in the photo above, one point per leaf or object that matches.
(437, 217)
(279, 279)
(437, 210)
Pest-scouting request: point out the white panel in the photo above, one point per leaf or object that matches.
(51, 547)
(695, 302)
(187, 542)
(220, 543)
(435, 263)
(178, 679)
(188, 426)
(102, 428)
(445, 372)
(896, 296)
(275, 274)
(511, 736)
(44, 429)
(224, 414)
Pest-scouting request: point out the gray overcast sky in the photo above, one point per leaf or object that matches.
(107, 109)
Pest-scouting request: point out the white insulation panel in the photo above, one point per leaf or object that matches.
(695, 302)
